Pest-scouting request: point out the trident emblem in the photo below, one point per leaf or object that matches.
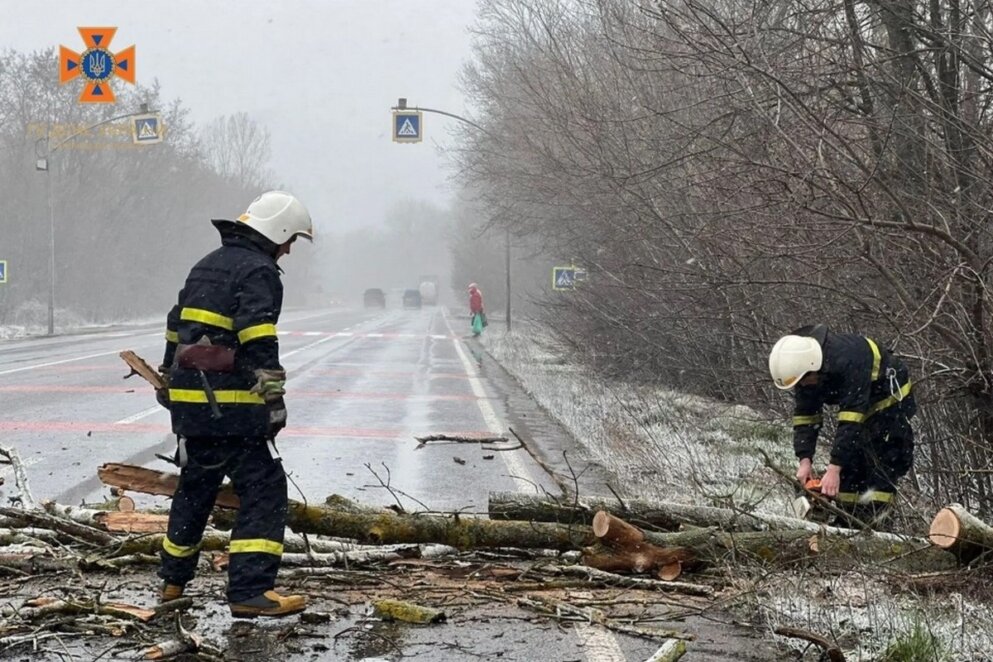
(97, 65)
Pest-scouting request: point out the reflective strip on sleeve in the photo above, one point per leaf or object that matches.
(223, 397)
(259, 545)
(890, 401)
(850, 417)
(815, 419)
(869, 496)
(206, 317)
(172, 336)
(179, 551)
(258, 331)
(877, 358)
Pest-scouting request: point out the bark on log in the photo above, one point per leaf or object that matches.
(670, 651)
(657, 514)
(46, 521)
(460, 532)
(957, 530)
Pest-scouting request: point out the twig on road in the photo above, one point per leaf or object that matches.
(20, 477)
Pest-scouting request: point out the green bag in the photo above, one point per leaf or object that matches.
(477, 324)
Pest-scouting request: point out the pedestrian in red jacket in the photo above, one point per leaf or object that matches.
(476, 309)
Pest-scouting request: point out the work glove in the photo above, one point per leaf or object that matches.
(164, 371)
(277, 416)
(162, 397)
(270, 384)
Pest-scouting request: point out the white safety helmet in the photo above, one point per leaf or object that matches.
(792, 357)
(278, 216)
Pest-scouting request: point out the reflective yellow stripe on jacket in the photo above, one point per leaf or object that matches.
(260, 545)
(172, 336)
(255, 332)
(877, 359)
(207, 317)
(179, 551)
(222, 397)
(890, 401)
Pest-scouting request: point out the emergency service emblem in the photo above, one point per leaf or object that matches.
(97, 65)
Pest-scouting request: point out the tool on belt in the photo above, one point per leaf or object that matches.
(205, 357)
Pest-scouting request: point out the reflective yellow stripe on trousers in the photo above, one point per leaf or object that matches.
(259, 545)
(179, 551)
(815, 419)
(223, 397)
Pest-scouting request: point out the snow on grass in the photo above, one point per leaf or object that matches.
(667, 445)
(659, 443)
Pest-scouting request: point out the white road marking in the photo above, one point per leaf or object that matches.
(344, 334)
(51, 363)
(599, 644)
(311, 333)
(306, 347)
(134, 418)
(518, 471)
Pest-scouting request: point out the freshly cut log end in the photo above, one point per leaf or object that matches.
(670, 571)
(615, 531)
(946, 529)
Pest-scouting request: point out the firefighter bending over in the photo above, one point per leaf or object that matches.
(874, 442)
(226, 398)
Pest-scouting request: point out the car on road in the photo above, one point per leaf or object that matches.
(411, 299)
(374, 298)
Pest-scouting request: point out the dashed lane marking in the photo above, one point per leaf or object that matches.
(134, 418)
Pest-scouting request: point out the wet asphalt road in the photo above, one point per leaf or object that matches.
(362, 384)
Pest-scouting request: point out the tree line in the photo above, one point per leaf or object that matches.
(728, 171)
(129, 220)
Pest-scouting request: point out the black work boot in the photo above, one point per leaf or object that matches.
(269, 603)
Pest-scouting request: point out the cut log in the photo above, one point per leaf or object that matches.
(45, 521)
(148, 481)
(957, 530)
(615, 532)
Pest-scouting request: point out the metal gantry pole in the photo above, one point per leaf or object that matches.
(51, 247)
(508, 277)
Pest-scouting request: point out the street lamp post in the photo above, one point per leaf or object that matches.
(43, 164)
(402, 105)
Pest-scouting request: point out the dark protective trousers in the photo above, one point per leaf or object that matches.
(887, 456)
(257, 538)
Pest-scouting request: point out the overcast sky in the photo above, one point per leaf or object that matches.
(320, 74)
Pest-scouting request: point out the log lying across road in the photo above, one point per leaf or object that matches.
(791, 540)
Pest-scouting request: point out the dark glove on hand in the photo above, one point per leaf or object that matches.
(162, 397)
(277, 416)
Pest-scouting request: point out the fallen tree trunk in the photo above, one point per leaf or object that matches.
(149, 481)
(649, 514)
(624, 549)
(957, 530)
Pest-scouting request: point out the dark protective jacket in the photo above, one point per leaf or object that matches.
(232, 297)
(864, 380)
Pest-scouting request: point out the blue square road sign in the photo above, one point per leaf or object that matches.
(407, 126)
(3, 271)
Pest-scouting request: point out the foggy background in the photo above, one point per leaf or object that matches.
(254, 96)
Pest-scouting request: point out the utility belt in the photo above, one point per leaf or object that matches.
(205, 357)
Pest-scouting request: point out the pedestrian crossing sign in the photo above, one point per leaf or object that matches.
(3, 271)
(563, 278)
(146, 129)
(407, 126)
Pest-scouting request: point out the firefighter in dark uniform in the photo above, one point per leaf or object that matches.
(225, 395)
(874, 442)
